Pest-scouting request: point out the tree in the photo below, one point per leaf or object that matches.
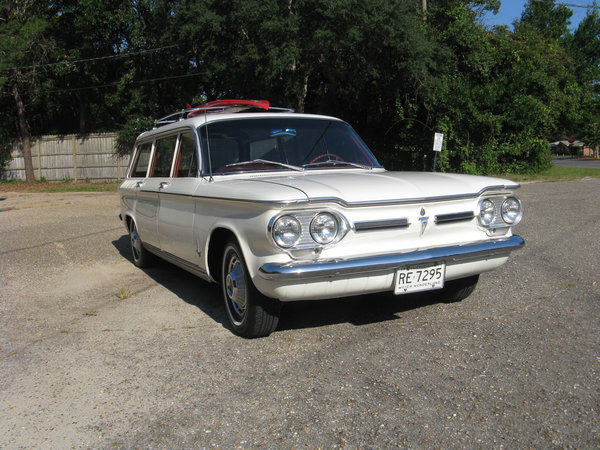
(585, 46)
(549, 19)
(393, 71)
(24, 45)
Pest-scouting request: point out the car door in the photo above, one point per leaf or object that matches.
(140, 195)
(136, 175)
(148, 196)
(177, 205)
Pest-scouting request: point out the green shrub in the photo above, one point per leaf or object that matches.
(131, 130)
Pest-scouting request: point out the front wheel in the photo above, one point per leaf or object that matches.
(250, 313)
(457, 290)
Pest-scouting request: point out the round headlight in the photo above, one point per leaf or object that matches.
(324, 228)
(286, 231)
(511, 211)
(486, 212)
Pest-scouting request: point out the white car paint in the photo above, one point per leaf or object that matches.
(177, 218)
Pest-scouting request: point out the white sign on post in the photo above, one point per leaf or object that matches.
(438, 141)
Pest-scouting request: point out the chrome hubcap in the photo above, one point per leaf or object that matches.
(235, 287)
(136, 243)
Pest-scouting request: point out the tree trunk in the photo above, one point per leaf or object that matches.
(25, 136)
(82, 113)
(301, 94)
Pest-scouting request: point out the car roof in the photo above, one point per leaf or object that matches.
(207, 118)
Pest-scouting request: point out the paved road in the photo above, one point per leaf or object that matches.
(584, 163)
(515, 365)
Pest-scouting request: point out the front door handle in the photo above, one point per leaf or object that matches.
(139, 184)
(163, 184)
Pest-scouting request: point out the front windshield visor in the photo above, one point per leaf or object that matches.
(269, 144)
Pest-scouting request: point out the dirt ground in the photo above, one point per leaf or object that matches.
(517, 364)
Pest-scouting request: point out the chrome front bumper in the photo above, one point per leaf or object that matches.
(372, 264)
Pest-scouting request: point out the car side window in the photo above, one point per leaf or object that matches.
(187, 162)
(163, 159)
(140, 167)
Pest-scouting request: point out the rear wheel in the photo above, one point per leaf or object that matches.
(250, 313)
(457, 290)
(141, 256)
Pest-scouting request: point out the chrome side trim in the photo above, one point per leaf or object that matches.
(192, 268)
(393, 202)
(380, 263)
(371, 225)
(341, 202)
(454, 217)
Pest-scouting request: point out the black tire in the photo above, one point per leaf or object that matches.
(457, 290)
(141, 257)
(250, 313)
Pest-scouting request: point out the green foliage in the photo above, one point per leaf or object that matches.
(129, 132)
(552, 21)
(5, 149)
(394, 73)
(521, 154)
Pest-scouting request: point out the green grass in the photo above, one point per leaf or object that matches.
(104, 187)
(61, 186)
(555, 173)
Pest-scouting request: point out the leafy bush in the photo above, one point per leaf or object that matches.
(5, 149)
(127, 135)
(520, 154)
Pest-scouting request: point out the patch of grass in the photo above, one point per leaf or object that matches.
(555, 173)
(45, 186)
(75, 187)
(124, 293)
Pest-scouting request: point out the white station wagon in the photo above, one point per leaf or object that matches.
(278, 206)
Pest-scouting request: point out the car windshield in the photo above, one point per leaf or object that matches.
(275, 144)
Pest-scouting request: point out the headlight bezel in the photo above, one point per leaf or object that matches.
(486, 212)
(323, 220)
(519, 211)
(495, 216)
(279, 238)
(306, 219)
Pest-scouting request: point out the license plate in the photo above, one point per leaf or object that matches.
(420, 278)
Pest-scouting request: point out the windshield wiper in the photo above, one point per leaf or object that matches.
(334, 162)
(265, 161)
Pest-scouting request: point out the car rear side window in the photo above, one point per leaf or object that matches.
(163, 156)
(187, 165)
(140, 167)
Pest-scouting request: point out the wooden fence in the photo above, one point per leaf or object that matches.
(74, 157)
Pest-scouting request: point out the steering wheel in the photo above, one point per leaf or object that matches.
(328, 156)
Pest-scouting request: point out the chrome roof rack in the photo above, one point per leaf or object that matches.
(220, 106)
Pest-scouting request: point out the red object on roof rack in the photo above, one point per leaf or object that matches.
(229, 103)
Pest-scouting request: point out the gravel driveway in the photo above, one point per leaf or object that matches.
(515, 365)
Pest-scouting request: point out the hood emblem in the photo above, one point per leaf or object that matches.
(424, 220)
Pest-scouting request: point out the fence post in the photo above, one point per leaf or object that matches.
(38, 145)
(74, 148)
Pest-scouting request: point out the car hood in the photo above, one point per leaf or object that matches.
(375, 187)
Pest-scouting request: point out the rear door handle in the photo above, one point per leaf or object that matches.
(139, 184)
